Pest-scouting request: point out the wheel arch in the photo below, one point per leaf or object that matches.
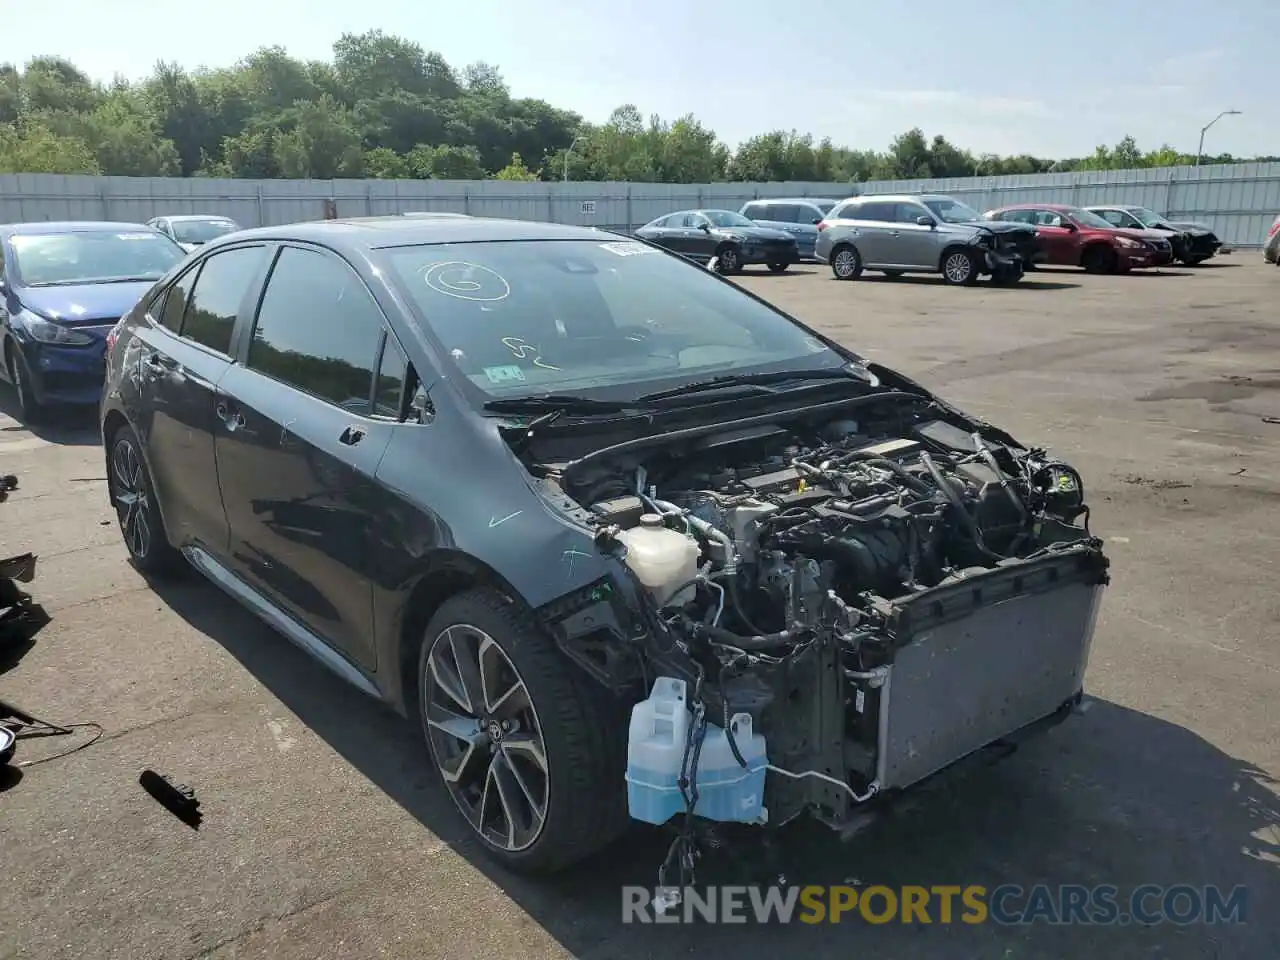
(1091, 247)
(958, 246)
(448, 574)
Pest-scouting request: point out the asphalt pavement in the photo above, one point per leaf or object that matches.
(324, 835)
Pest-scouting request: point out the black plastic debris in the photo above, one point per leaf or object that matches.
(178, 799)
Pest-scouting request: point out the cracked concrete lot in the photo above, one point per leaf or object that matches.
(324, 835)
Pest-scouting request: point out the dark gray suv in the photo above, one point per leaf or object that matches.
(922, 234)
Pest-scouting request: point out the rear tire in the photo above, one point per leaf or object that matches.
(133, 497)
(1099, 259)
(846, 263)
(544, 789)
(960, 268)
(779, 267)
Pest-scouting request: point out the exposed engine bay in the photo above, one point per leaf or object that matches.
(882, 596)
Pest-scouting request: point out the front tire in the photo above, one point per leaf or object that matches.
(1099, 259)
(846, 264)
(960, 268)
(779, 267)
(1194, 261)
(133, 496)
(529, 748)
(728, 260)
(29, 408)
(1006, 276)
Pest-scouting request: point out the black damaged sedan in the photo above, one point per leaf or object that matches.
(730, 238)
(513, 479)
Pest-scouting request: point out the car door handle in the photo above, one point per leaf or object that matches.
(895, 233)
(232, 418)
(351, 436)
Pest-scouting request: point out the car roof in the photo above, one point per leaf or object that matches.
(372, 233)
(70, 226)
(1040, 206)
(188, 217)
(793, 200)
(896, 197)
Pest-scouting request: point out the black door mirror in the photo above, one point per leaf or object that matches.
(1068, 226)
(926, 222)
(816, 220)
(704, 227)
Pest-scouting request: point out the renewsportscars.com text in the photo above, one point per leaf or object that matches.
(1007, 904)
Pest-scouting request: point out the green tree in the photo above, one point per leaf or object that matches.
(323, 143)
(34, 148)
(383, 163)
(515, 170)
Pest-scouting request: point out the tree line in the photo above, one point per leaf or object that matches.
(384, 107)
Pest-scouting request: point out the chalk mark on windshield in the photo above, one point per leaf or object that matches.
(526, 351)
(464, 280)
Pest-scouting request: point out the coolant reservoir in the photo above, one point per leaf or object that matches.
(662, 559)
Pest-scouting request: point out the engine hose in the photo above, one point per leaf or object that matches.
(741, 608)
(765, 641)
(919, 486)
(950, 493)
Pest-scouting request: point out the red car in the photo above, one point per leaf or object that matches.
(1072, 237)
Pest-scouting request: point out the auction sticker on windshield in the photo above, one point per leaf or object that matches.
(507, 374)
(627, 248)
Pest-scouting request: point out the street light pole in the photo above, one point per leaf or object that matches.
(567, 153)
(1205, 129)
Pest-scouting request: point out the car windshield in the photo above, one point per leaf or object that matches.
(1087, 218)
(615, 318)
(1148, 218)
(92, 256)
(726, 218)
(200, 231)
(953, 211)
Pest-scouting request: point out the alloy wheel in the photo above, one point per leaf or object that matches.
(486, 738)
(728, 260)
(133, 504)
(958, 267)
(846, 263)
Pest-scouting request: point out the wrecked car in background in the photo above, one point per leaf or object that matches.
(622, 537)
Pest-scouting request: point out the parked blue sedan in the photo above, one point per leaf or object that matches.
(63, 286)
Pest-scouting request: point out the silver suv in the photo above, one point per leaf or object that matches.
(1271, 249)
(925, 233)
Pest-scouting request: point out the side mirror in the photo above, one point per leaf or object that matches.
(816, 220)
(926, 222)
(704, 227)
(1068, 226)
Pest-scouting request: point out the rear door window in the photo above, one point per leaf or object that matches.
(782, 213)
(224, 281)
(756, 211)
(886, 212)
(318, 329)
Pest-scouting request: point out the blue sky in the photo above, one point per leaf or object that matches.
(1048, 78)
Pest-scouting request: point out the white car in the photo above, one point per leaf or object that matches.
(194, 230)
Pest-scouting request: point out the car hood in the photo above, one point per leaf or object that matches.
(752, 233)
(187, 245)
(84, 303)
(1143, 234)
(999, 226)
(1190, 226)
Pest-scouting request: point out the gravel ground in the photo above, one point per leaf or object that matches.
(324, 835)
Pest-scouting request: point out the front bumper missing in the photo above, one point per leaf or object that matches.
(963, 685)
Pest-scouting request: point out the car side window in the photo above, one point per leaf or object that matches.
(318, 329)
(170, 306)
(1114, 217)
(220, 288)
(848, 211)
(1018, 216)
(907, 212)
(1049, 218)
(756, 211)
(782, 213)
(884, 212)
(392, 373)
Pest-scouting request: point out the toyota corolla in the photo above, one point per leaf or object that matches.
(624, 540)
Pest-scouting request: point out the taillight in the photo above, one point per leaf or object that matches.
(112, 337)
(822, 225)
(1275, 228)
